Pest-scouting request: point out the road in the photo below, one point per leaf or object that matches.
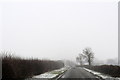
(78, 73)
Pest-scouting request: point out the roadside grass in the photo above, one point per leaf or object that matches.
(56, 72)
(52, 74)
(111, 70)
(102, 76)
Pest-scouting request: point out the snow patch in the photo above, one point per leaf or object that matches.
(52, 74)
(46, 75)
(103, 76)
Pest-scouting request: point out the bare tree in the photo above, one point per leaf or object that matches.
(89, 55)
(79, 59)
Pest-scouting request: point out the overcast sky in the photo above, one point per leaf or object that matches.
(60, 30)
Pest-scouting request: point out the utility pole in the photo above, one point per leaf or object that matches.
(119, 33)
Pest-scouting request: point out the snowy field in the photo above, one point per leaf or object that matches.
(101, 75)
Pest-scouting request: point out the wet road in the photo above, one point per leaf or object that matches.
(77, 73)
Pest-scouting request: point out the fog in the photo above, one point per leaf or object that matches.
(59, 30)
(113, 61)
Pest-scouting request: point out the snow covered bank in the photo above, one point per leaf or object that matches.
(52, 74)
(101, 75)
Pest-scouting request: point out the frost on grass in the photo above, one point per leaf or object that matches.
(52, 74)
(101, 75)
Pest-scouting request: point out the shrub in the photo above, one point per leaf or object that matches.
(18, 68)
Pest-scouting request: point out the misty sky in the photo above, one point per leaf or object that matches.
(59, 30)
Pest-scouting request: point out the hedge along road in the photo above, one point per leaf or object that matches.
(78, 73)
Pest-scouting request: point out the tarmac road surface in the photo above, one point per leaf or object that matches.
(78, 73)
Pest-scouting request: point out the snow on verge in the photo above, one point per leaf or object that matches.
(52, 74)
(103, 76)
